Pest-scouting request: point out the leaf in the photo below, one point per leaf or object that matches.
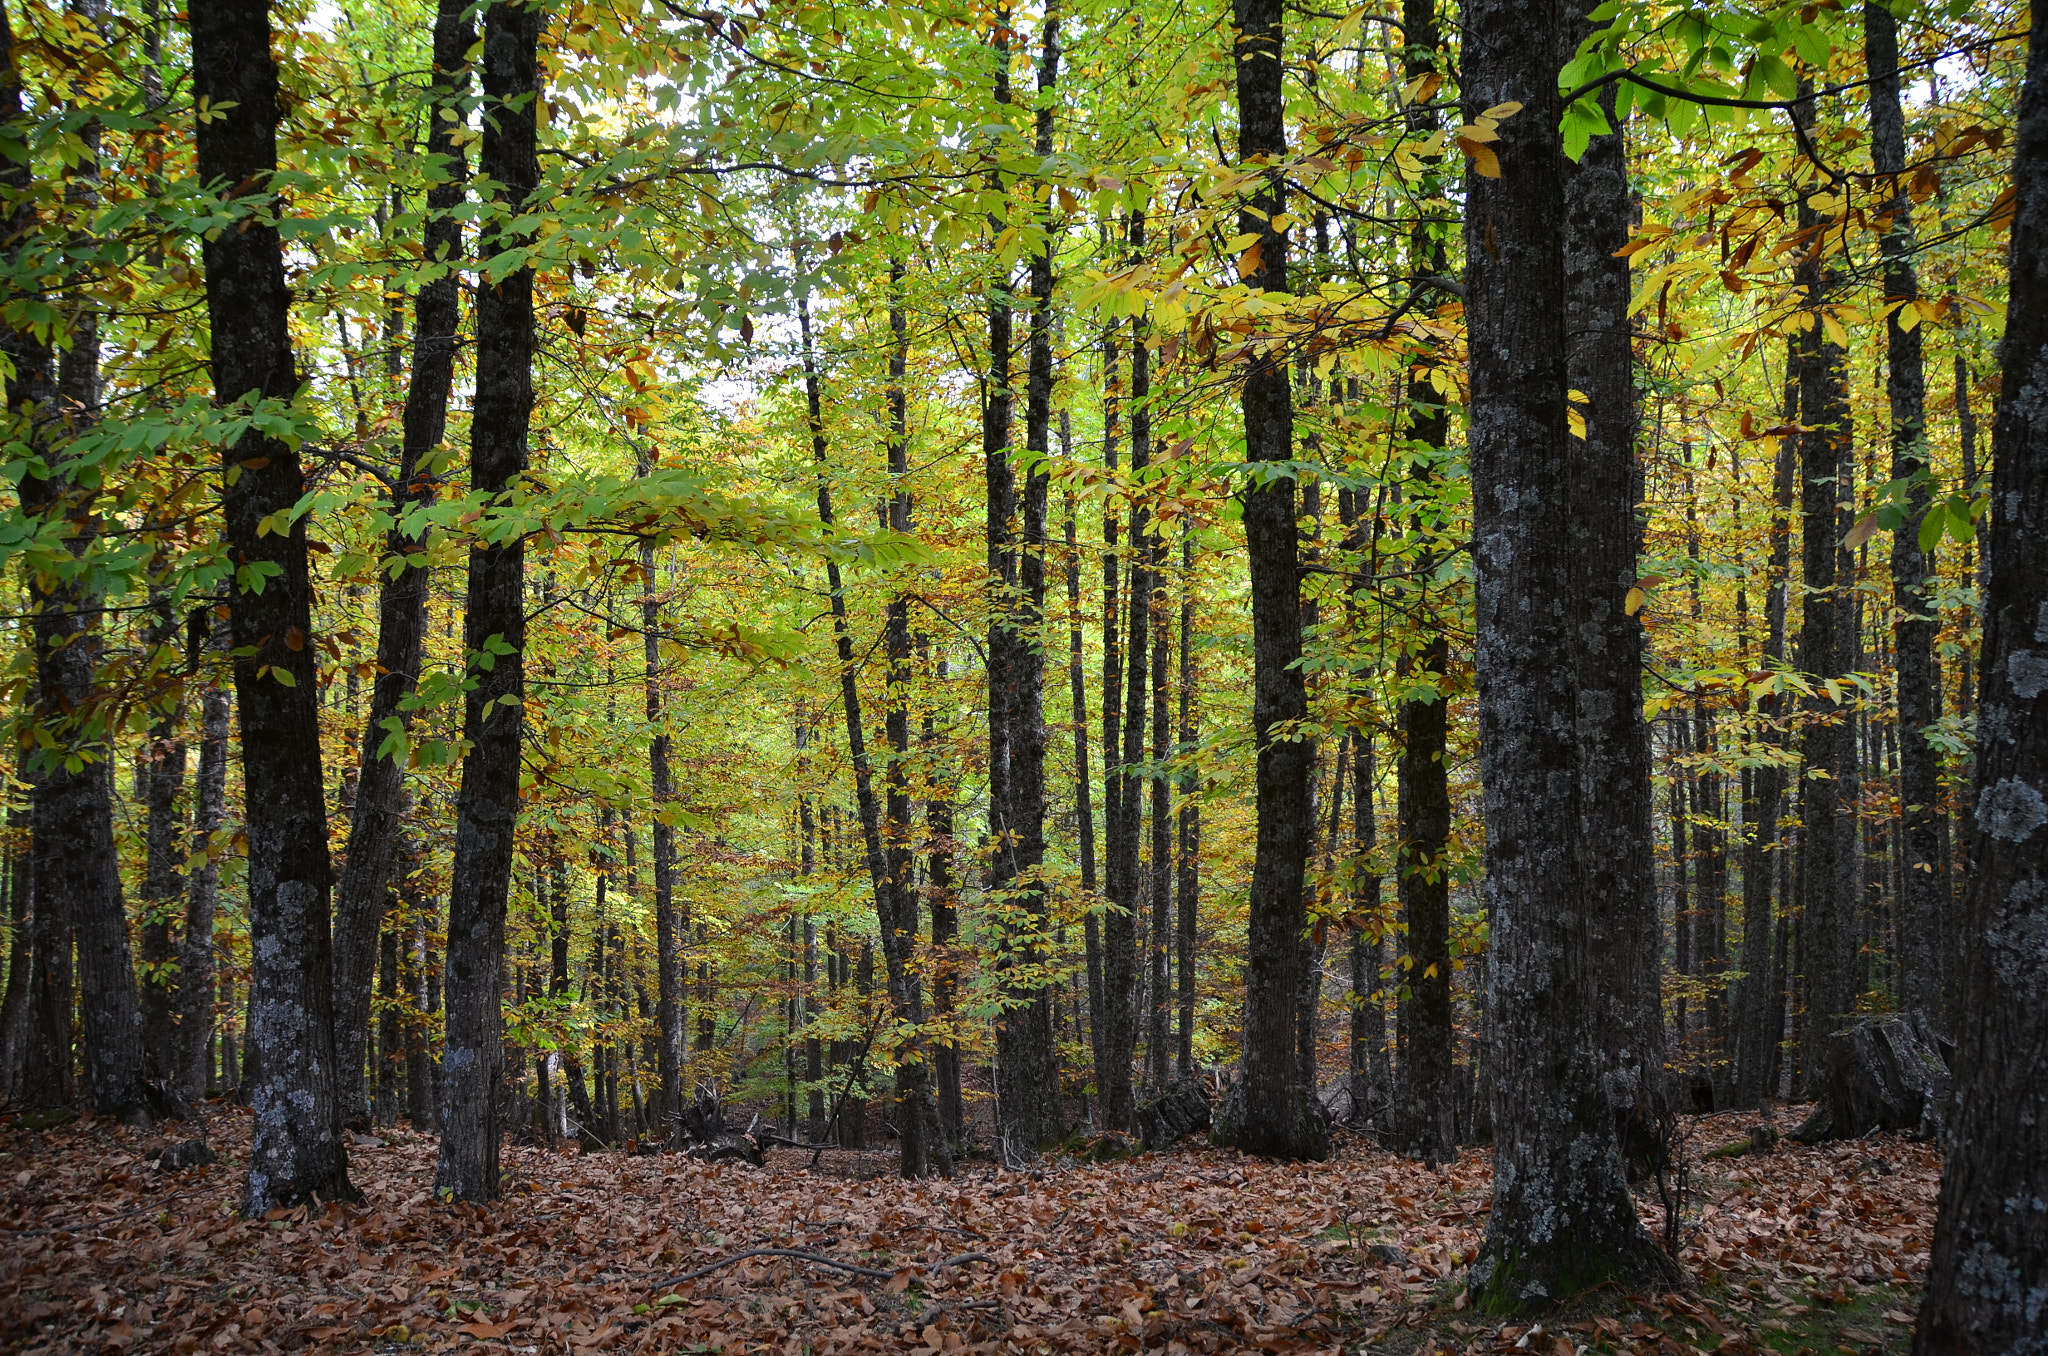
(1632, 603)
(283, 675)
(1484, 162)
(1501, 112)
(1863, 531)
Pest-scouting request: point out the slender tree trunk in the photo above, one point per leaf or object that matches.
(918, 1129)
(375, 822)
(1273, 1113)
(1027, 1057)
(1190, 882)
(1827, 928)
(1371, 1082)
(298, 1151)
(494, 633)
(161, 772)
(1760, 999)
(914, 1144)
(1111, 1011)
(945, 932)
(1990, 1266)
(1562, 1220)
(1926, 889)
(1425, 1123)
(671, 1037)
(1159, 1038)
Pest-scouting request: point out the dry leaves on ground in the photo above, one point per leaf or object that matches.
(1195, 1251)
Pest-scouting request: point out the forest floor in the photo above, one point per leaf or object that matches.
(1802, 1252)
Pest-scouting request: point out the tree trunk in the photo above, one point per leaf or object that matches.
(298, 1150)
(1613, 742)
(1190, 882)
(161, 772)
(1159, 1036)
(494, 633)
(1562, 1221)
(1759, 997)
(1926, 890)
(1827, 928)
(1990, 1266)
(1269, 1110)
(917, 1118)
(1027, 1058)
(915, 1145)
(670, 1039)
(375, 822)
(1111, 1010)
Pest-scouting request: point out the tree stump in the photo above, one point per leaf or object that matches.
(1884, 1073)
(1180, 1110)
(702, 1125)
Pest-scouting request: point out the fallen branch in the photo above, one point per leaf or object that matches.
(819, 1258)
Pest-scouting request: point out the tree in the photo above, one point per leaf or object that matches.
(1990, 1264)
(1562, 1220)
(377, 817)
(1272, 1110)
(298, 1151)
(494, 624)
(1611, 739)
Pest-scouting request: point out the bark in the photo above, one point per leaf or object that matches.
(1424, 1120)
(1027, 1057)
(917, 1119)
(1158, 1038)
(376, 817)
(670, 1038)
(1289, 1121)
(915, 1146)
(1190, 845)
(1562, 1221)
(161, 774)
(1370, 1081)
(1111, 1009)
(494, 634)
(298, 1150)
(1827, 928)
(1622, 925)
(1926, 889)
(945, 931)
(1990, 1264)
(1759, 997)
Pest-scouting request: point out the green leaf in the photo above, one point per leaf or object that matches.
(1932, 526)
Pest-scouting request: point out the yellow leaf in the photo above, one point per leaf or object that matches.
(1833, 325)
(1501, 112)
(1484, 162)
(1479, 132)
(1633, 603)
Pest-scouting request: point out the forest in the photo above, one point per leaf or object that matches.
(1024, 676)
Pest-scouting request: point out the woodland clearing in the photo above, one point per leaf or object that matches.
(1805, 1251)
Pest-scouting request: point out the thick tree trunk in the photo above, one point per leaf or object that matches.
(1269, 1110)
(1990, 1265)
(494, 634)
(375, 821)
(298, 1150)
(1926, 890)
(1623, 931)
(1562, 1222)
